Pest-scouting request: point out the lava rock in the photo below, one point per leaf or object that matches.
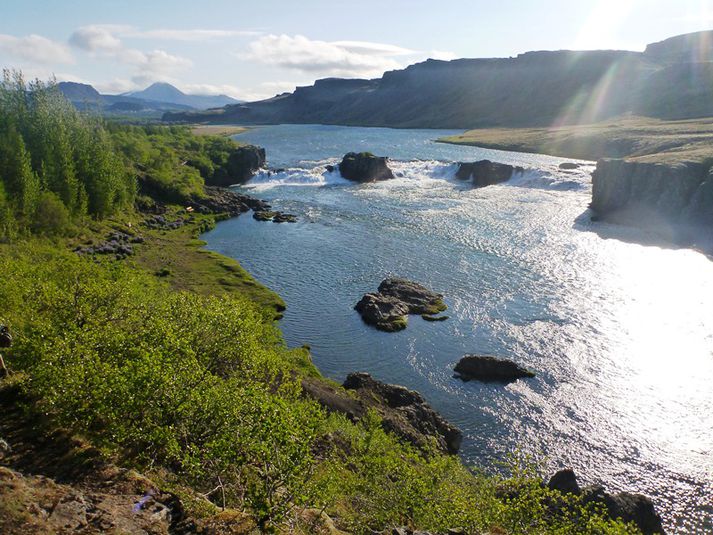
(388, 309)
(418, 298)
(486, 173)
(405, 413)
(243, 162)
(564, 481)
(626, 506)
(365, 167)
(484, 368)
(384, 312)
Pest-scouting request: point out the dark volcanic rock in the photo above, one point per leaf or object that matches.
(243, 162)
(384, 312)
(418, 298)
(486, 173)
(564, 481)
(225, 201)
(364, 167)
(626, 506)
(405, 413)
(569, 165)
(388, 309)
(484, 368)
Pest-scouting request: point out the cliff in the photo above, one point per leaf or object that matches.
(653, 194)
(672, 79)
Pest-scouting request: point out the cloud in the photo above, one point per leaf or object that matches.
(35, 48)
(97, 38)
(334, 58)
(102, 41)
(340, 58)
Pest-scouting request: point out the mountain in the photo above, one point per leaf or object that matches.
(163, 92)
(671, 79)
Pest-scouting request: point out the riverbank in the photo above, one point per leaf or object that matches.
(640, 138)
(217, 130)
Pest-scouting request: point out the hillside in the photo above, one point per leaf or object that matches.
(670, 80)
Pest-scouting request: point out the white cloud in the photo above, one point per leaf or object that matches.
(35, 48)
(350, 59)
(334, 58)
(102, 41)
(96, 38)
(211, 89)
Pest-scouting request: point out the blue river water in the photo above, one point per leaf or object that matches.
(618, 329)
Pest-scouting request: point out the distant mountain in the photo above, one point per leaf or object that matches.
(163, 92)
(151, 102)
(670, 80)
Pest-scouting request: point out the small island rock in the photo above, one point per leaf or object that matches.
(484, 368)
(486, 173)
(388, 309)
(365, 167)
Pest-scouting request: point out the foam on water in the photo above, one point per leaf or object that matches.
(315, 173)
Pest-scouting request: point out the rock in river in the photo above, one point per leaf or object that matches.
(388, 309)
(365, 167)
(483, 368)
(486, 173)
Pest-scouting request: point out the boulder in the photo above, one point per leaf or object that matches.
(384, 312)
(626, 506)
(243, 162)
(486, 173)
(365, 167)
(418, 298)
(484, 368)
(388, 309)
(564, 481)
(5, 337)
(569, 166)
(405, 413)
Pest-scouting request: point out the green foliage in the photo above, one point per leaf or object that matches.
(172, 163)
(51, 215)
(47, 147)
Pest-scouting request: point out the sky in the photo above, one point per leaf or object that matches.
(256, 49)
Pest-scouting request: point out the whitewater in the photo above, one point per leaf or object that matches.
(616, 323)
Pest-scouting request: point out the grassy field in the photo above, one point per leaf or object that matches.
(217, 130)
(641, 138)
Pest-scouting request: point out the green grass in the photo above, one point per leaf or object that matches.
(644, 139)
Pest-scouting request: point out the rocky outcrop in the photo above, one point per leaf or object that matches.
(119, 244)
(225, 201)
(365, 167)
(396, 298)
(626, 506)
(486, 173)
(651, 195)
(243, 162)
(403, 412)
(274, 216)
(484, 368)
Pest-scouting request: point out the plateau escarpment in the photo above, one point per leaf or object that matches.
(533, 89)
(652, 194)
